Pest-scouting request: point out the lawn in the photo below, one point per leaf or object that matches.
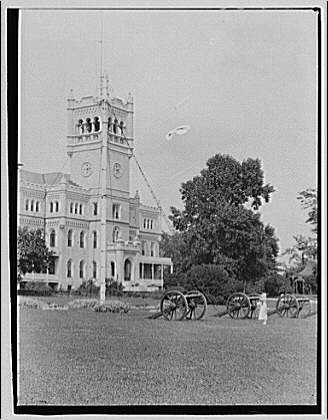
(81, 357)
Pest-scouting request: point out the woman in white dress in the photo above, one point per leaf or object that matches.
(263, 315)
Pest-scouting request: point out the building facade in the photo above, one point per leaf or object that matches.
(95, 229)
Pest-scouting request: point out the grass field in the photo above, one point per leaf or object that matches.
(81, 357)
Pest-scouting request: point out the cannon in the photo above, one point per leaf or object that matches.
(241, 306)
(294, 306)
(176, 306)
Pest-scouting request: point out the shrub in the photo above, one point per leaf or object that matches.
(113, 288)
(30, 303)
(82, 303)
(36, 288)
(88, 288)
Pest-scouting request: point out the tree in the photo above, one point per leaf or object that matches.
(309, 200)
(33, 253)
(216, 227)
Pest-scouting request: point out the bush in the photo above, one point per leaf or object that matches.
(113, 288)
(36, 288)
(88, 288)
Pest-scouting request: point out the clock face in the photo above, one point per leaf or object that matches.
(86, 169)
(117, 170)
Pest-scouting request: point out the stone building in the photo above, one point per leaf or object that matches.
(93, 226)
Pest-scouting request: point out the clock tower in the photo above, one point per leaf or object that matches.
(96, 126)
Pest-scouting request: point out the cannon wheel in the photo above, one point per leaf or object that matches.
(174, 305)
(197, 304)
(304, 308)
(287, 306)
(254, 309)
(238, 305)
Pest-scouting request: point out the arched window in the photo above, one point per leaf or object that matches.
(81, 269)
(94, 269)
(37, 206)
(69, 268)
(56, 206)
(76, 208)
(52, 241)
(27, 202)
(88, 125)
(151, 224)
(82, 235)
(80, 209)
(51, 207)
(110, 124)
(32, 205)
(70, 238)
(112, 269)
(94, 239)
(115, 126)
(96, 123)
(95, 209)
(116, 232)
(71, 207)
(81, 127)
(122, 127)
(127, 270)
(145, 223)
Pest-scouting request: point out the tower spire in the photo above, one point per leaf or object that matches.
(101, 67)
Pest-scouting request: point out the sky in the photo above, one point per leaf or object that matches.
(244, 81)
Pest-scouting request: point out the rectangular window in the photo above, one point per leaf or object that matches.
(116, 211)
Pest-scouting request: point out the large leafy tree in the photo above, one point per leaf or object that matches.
(33, 253)
(220, 223)
(309, 200)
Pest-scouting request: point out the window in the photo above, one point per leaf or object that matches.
(116, 232)
(145, 223)
(51, 207)
(81, 209)
(32, 205)
(57, 206)
(151, 224)
(115, 126)
(52, 238)
(27, 205)
(152, 249)
(127, 270)
(51, 268)
(82, 239)
(81, 127)
(70, 238)
(116, 211)
(81, 269)
(95, 209)
(94, 238)
(88, 125)
(69, 268)
(94, 269)
(96, 123)
(143, 248)
(71, 207)
(76, 208)
(112, 269)
(37, 207)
